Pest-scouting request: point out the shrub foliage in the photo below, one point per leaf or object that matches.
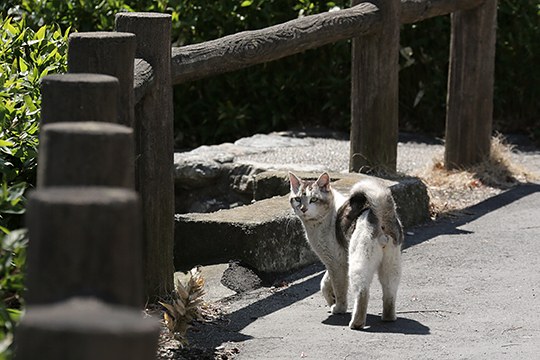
(26, 55)
(312, 89)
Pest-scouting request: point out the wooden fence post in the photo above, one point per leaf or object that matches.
(154, 133)
(374, 93)
(86, 153)
(85, 329)
(104, 155)
(110, 53)
(84, 265)
(470, 85)
(79, 97)
(84, 241)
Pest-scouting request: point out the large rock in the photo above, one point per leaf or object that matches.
(267, 235)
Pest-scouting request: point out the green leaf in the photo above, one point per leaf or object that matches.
(6, 143)
(29, 102)
(40, 34)
(16, 192)
(246, 3)
(4, 230)
(7, 25)
(23, 66)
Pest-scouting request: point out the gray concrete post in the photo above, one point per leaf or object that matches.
(85, 329)
(469, 102)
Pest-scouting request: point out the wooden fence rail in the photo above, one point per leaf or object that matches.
(247, 48)
(374, 103)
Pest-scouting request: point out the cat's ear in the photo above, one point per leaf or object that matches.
(324, 182)
(295, 182)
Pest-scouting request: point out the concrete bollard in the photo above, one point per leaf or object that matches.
(86, 153)
(79, 97)
(84, 241)
(110, 53)
(85, 329)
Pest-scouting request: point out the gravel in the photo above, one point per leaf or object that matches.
(416, 154)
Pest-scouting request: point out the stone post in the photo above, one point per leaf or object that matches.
(84, 241)
(469, 104)
(85, 329)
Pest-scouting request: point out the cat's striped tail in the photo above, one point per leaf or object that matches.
(369, 194)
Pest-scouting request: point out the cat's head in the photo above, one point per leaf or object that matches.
(311, 200)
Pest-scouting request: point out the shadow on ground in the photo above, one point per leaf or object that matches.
(450, 226)
(376, 325)
(211, 335)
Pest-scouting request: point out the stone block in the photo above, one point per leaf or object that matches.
(266, 234)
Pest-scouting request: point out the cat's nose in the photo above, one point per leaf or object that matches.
(303, 208)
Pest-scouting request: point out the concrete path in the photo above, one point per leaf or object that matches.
(470, 290)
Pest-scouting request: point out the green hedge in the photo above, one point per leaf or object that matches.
(312, 89)
(25, 57)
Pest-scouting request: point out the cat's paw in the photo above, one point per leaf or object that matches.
(389, 311)
(357, 325)
(329, 296)
(338, 309)
(389, 317)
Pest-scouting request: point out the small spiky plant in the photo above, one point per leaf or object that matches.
(185, 305)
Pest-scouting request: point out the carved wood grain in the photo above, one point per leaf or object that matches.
(243, 49)
(247, 48)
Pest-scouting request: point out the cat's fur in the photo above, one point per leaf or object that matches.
(354, 237)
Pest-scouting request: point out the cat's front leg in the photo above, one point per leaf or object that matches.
(340, 285)
(327, 289)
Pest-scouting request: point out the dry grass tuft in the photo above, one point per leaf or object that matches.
(185, 306)
(454, 190)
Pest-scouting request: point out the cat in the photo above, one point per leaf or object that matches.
(317, 204)
(354, 237)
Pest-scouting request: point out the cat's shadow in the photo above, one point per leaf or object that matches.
(376, 325)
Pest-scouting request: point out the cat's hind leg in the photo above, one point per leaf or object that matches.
(364, 259)
(360, 283)
(389, 276)
(327, 289)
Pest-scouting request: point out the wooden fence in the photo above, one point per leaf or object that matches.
(84, 266)
(84, 220)
(374, 28)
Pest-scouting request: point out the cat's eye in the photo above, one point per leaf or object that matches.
(313, 200)
(297, 199)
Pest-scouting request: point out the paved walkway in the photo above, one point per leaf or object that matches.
(470, 290)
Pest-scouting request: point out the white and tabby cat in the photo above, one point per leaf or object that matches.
(317, 204)
(354, 237)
